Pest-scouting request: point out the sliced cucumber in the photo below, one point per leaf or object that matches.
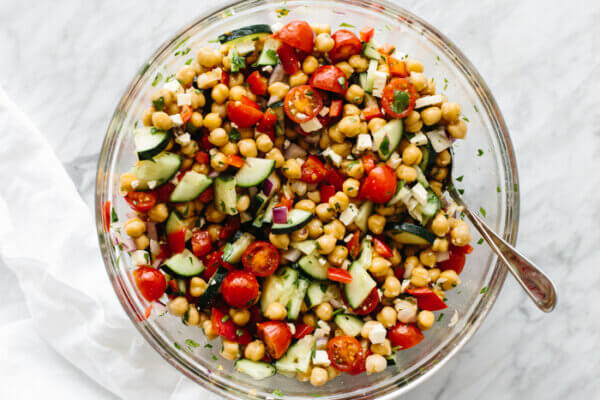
(296, 219)
(158, 170)
(184, 264)
(255, 369)
(312, 266)
(373, 64)
(232, 252)
(189, 187)
(251, 32)
(370, 51)
(364, 212)
(407, 233)
(306, 246)
(258, 203)
(350, 324)
(429, 209)
(212, 288)
(254, 171)
(268, 55)
(295, 302)
(175, 224)
(387, 138)
(287, 288)
(362, 283)
(260, 215)
(269, 211)
(403, 194)
(225, 195)
(320, 292)
(149, 142)
(362, 80)
(421, 177)
(428, 157)
(297, 358)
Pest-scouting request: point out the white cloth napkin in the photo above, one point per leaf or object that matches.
(48, 238)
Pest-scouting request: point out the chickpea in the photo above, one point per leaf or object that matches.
(440, 245)
(178, 306)
(425, 320)
(208, 57)
(418, 80)
(209, 330)
(218, 137)
(278, 89)
(383, 349)
(367, 327)
(198, 100)
(321, 28)
(299, 78)
(309, 319)
(315, 228)
(412, 118)
(335, 134)
(376, 223)
(440, 225)
(336, 229)
(196, 120)
(276, 311)
(220, 93)
(217, 162)
(325, 212)
(332, 372)
(457, 129)
(318, 376)
(310, 65)
(212, 121)
(379, 266)
(229, 149)
(219, 109)
(197, 286)
(349, 126)
(414, 66)
(172, 109)
(387, 316)
(275, 154)
(346, 68)
(326, 244)
(158, 213)
(450, 112)
(230, 350)
(324, 311)
(213, 215)
(410, 263)
(359, 63)
(460, 235)
(436, 186)
(304, 376)
(264, 143)
(351, 187)
(428, 257)
(339, 201)
(126, 180)
(396, 258)
(375, 363)
(443, 159)
(391, 287)
(434, 274)
(411, 155)
(236, 79)
(376, 124)
(449, 279)
(291, 169)
(306, 205)
(414, 128)
(135, 227)
(255, 350)
(315, 196)
(161, 120)
(355, 170)
(407, 173)
(236, 93)
(239, 316)
(142, 242)
(186, 76)
(419, 277)
(247, 148)
(430, 88)
(385, 210)
(355, 94)
(213, 231)
(191, 316)
(350, 109)
(338, 256)
(299, 235)
(147, 116)
(190, 148)
(243, 203)
(281, 241)
(431, 115)
(324, 43)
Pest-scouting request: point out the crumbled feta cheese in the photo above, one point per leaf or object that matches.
(267, 68)
(324, 111)
(419, 139)
(286, 144)
(346, 264)
(394, 161)
(176, 118)
(152, 184)
(311, 125)
(322, 261)
(379, 83)
(140, 257)
(299, 187)
(323, 330)
(405, 282)
(292, 327)
(213, 151)
(183, 139)
(368, 237)
(135, 183)
(377, 334)
(454, 319)
(439, 140)
(276, 26)
(173, 86)
(300, 161)
(419, 193)
(208, 79)
(427, 101)
(334, 157)
(349, 214)
(406, 311)
(348, 237)
(363, 142)
(245, 47)
(403, 195)
(184, 99)
(321, 358)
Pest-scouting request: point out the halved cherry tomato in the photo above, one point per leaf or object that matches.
(289, 59)
(338, 275)
(366, 33)
(313, 170)
(399, 97)
(186, 114)
(163, 193)
(427, 299)
(380, 185)
(399, 272)
(368, 162)
(224, 78)
(206, 196)
(329, 78)
(249, 102)
(387, 49)
(234, 160)
(353, 245)
(371, 112)
(141, 201)
(230, 228)
(267, 123)
(106, 215)
(242, 115)
(381, 248)
(397, 67)
(346, 354)
(172, 289)
(212, 261)
(303, 330)
(302, 103)
(335, 109)
(227, 329)
(467, 249)
(456, 260)
(261, 258)
(297, 34)
(240, 289)
(346, 45)
(326, 192)
(404, 336)
(150, 282)
(369, 304)
(206, 144)
(277, 337)
(176, 240)
(257, 83)
(334, 178)
(286, 202)
(202, 157)
(201, 244)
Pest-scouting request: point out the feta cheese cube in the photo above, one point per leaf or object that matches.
(377, 334)
(183, 139)
(349, 214)
(184, 99)
(267, 68)
(321, 358)
(173, 86)
(322, 261)
(292, 327)
(403, 195)
(363, 142)
(394, 161)
(208, 79)
(324, 111)
(140, 257)
(427, 101)
(419, 139)
(276, 26)
(286, 144)
(439, 140)
(176, 118)
(311, 125)
(379, 83)
(419, 193)
(334, 157)
(323, 330)
(152, 184)
(245, 47)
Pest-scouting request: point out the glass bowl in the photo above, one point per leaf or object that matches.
(490, 182)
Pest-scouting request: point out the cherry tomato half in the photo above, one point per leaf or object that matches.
(227, 329)
(366, 33)
(329, 78)
(456, 260)
(277, 337)
(176, 240)
(240, 289)
(369, 304)
(150, 282)
(243, 115)
(141, 201)
(346, 354)
(381, 248)
(297, 34)
(338, 275)
(326, 192)
(399, 97)
(427, 299)
(302, 103)
(303, 330)
(257, 83)
(261, 258)
(313, 170)
(380, 185)
(201, 244)
(354, 245)
(405, 336)
(289, 59)
(346, 45)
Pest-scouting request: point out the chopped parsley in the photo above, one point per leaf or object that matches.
(385, 145)
(401, 101)
(272, 54)
(483, 290)
(480, 241)
(113, 215)
(461, 191)
(170, 78)
(182, 42)
(346, 25)
(191, 343)
(282, 12)
(445, 82)
(475, 108)
(464, 118)
(225, 319)
(277, 392)
(208, 346)
(234, 134)
(183, 52)
(176, 345)
(482, 211)
(338, 311)
(189, 61)
(498, 189)
(157, 79)
(460, 178)
(237, 62)
(214, 357)
(438, 59)
(159, 104)
(440, 317)
(239, 332)
(516, 187)
(387, 27)
(479, 152)
(396, 348)
(342, 80)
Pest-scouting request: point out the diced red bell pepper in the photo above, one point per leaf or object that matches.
(230, 228)
(387, 49)
(186, 114)
(303, 330)
(366, 33)
(368, 162)
(267, 123)
(176, 240)
(163, 193)
(326, 192)
(202, 157)
(227, 329)
(335, 178)
(372, 112)
(206, 144)
(249, 102)
(257, 83)
(206, 196)
(201, 244)
(335, 109)
(381, 248)
(353, 245)
(397, 67)
(286, 202)
(313, 170)
(339, 275)
(234, 160)
(224, 78)
(427, 299)
(289, 59)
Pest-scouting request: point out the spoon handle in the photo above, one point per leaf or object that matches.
(536, 283)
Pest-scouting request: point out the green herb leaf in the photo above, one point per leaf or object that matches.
(385, 145)
(342, 80)
(460, 178)
(189, 61)
(191, 343)
(176, 345)
(282, 12)
(479, 152)
(185, 39)
(239, 332)
(480, 241)
(482, 211)
(346, 25)
(498, 189)
(159, 104)
(461, 191)
(440, 317)
(157, 79)
(234, 135)
(483, 290)
(208, 346)
(475, 108)
(237, 62)
(464, 118)
(225, 318)
(214, 357)
(113, 215)
(401, 101)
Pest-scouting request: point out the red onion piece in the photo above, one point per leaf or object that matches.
(280, 215)
(294, 151)
(151, 228)
(443, 256)
(291, 255)
(213, 174)
(268, 186)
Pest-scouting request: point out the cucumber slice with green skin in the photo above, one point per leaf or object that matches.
(268, 55)
(362, 283)
(279, 288)
(373, 64)
(258, 203)
(246, 33)
(297, 358)
(429, 209)
(159, 170)
(407, 233)
(254, 171)
(212, 289)
(320, 292)
(184, 264)
(312, 266)
(260, 216)
(365, 210)
(370, 51)
(388, 138)
(295, 303)
(255, 369)
(149, 142)
(175, 224)
(269, 211)
(421, 177)
(400, 193)
(362, 80)
(296, 219)
(225, 195)
(350, 324)
(428, 157)
(306, 246)
(190, 187)
(232, 253)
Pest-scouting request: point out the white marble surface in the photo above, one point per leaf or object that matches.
(66, 63)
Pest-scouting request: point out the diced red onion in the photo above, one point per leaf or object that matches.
(268, 186)
(154, 247)
(443, 256)
(151, 228)
(213, 174)
(128, 244)
(294, 151)
(337, 303)
(312, 139)
(278, 75)
(157, 262)
(131, 214)
(291, 255)
(280, 215)
(321, 342)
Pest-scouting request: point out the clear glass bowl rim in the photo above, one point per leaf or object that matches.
(392, 388)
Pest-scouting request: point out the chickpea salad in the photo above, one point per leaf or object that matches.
(287, 199)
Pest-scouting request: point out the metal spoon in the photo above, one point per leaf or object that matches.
(538, 286)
